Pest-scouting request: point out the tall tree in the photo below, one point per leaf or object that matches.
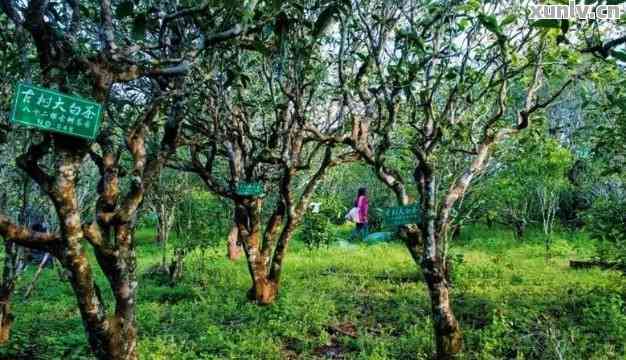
(254, 125)
(439, 83)
(79, 50)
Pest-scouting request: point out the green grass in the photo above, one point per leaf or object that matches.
(511, 304)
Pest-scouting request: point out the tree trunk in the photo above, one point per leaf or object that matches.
(247, 219)
(160, 225)
(165, 221)
(12, 259)
(162, 238)
(281, 249)
(31, 287)
(520, 228)
(163, 244)
(125, 290)
(234, 252)
(175, 271)
(264, 291)
(456, 231)
(9, 277)
(119, 341)
(162, 233)
(109, 337)
(6, 318)
(89, 302)
(448, 336)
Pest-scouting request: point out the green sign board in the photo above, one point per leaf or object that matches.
(249, 189)
(51, 110)
(401, 215)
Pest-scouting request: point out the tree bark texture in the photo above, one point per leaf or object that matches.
(448, 335)
(110, 337)
(234, 251)
(9, 278)
(248, 220)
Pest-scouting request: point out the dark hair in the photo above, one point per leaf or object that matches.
(39, 227)
(362, 192)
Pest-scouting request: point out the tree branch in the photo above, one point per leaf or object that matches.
(605, 49)
(24, 236)
(107, 25)
(29, 163)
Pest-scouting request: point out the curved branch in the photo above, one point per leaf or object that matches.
(24, 236)
(93, 234)
(29, 163)
(605, 49)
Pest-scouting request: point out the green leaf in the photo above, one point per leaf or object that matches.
(85, 11)
(469, 6)
(547, 23)
(508, 20)
(124, 9)
(463, 24)
(490, 23)
(139, 26)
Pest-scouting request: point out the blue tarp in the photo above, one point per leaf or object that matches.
(379, 237)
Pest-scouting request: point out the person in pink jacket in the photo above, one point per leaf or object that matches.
(362, 204)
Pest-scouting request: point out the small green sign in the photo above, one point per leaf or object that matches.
(401, 215)
(249, 189)
(51, 110)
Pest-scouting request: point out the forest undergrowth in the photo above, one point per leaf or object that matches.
(353, 301)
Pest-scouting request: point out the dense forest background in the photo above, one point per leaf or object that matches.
(506, 133)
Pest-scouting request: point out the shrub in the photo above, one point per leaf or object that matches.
(200, 220)
(316, 230)
(333, 208)
(607, 225)
(605, 316)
